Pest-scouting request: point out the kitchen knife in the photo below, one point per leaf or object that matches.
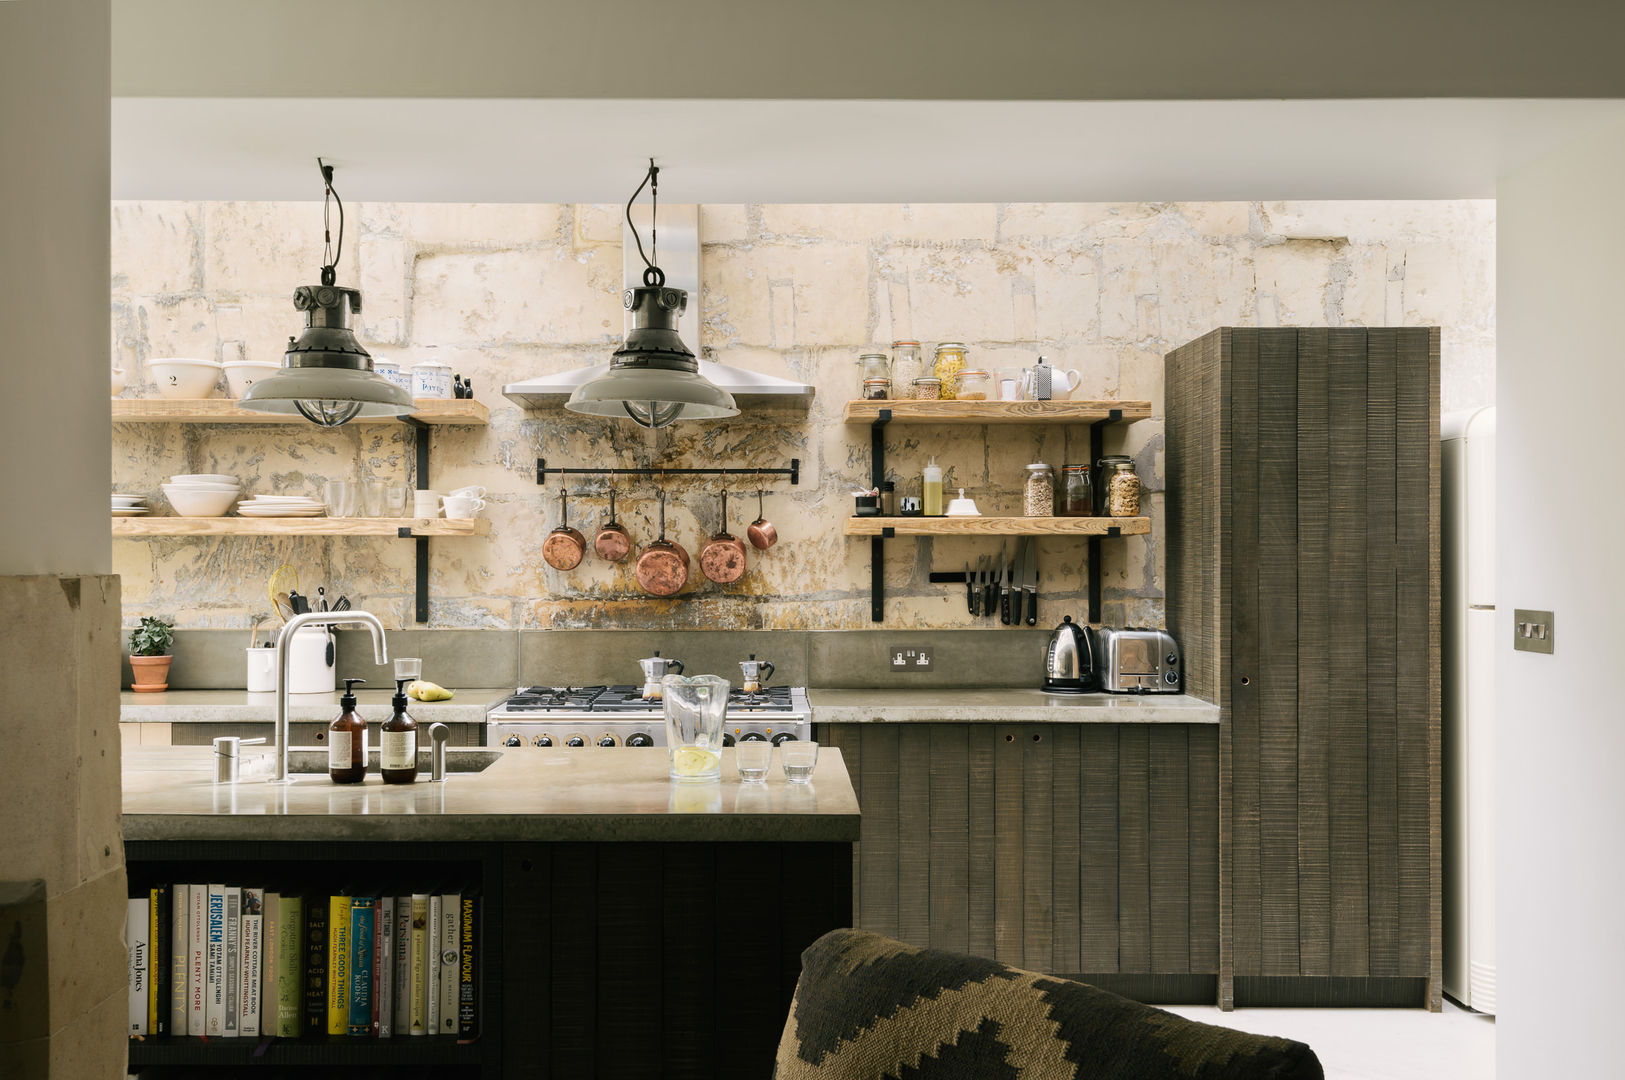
(1015, 582)
(970, 591)
(1004, 588)
(1031, 583)
(993, 584)
(980, 585)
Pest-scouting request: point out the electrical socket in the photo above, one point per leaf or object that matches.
(910, 658)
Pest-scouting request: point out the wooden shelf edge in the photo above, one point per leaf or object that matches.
(911, 411)
(137, 527)
(466, 412)
(996, 526)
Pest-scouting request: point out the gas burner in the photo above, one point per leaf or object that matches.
(542, 698)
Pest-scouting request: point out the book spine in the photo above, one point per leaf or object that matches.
(468, 959)
(234, 960)
(383, 969)
(290, 962)
(253, 946)
(136, 941)
(451, 922)
(270, 928)
(158, 960)
(420, 964)
(180, 941)
(197, 970)
(360, 971)
(314, 998)
(338, 965)
(431, 965)
(403, 964)
(214, 1005)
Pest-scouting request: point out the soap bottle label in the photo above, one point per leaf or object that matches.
(341, 745)
(398, 750)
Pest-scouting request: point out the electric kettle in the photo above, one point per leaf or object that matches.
(1069, 659)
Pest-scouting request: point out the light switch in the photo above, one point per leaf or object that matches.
(1532, 631)
(911, 658)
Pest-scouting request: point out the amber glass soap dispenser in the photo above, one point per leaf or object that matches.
(398, 741)
(347, 741)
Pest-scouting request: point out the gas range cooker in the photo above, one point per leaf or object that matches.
(544, 717)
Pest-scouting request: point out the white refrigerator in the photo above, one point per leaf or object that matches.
(1468, 491)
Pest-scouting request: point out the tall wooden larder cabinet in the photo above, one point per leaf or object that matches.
(1303, 587)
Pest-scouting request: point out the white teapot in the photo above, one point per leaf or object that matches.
(1043, 382)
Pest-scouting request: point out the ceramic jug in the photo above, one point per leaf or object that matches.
(695, 709)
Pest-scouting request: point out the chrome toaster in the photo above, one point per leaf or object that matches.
(1136, 661)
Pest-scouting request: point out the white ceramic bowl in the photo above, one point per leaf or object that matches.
(241, 374)
(179, 377)
(205, 478)
(118, 381)
(199, 502)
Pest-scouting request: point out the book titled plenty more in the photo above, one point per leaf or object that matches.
(231, 961)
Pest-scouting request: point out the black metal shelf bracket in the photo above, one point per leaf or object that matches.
(877, 544)
(793, 471)
(421, 437)
(1097, 448)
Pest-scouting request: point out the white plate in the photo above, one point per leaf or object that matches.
(129, 511)
(280, 513)
(282, 500)
(128, 502)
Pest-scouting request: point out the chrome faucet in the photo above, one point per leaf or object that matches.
(380, 654)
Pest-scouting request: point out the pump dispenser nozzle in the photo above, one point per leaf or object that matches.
(347, 702)
(399, 700)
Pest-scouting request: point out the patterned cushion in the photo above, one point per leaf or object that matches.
(870, 1008)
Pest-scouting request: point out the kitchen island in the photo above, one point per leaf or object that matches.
(629, 926)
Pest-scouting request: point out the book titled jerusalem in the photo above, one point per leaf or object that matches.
(420, 965)
(252, 949)
(234, 959)
(314, 996)
(290, 965)
(214, 998)
(180, 943)
(338, 965)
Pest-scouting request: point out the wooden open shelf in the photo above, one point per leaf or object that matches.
(309, 526)
(444, 411)
(997, 526)
(911, 411)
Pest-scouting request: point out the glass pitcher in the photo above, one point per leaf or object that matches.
(695, 709)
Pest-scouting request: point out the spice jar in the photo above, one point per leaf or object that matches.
(1039, 496)
(905, 361)
(927, 388)
(888, 498)
(974, 386)
(876, 389)
(1077, 491)
(1123, 490)
(873, 366)
(950, 361)
(1103, 472)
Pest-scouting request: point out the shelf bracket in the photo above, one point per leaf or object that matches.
(877, 544)
(420, 598)
(1097, 447)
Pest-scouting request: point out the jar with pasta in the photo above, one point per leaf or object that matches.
(950, 361)
(1123, 490)
(1039, 494)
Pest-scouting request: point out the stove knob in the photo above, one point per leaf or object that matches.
(640, 739)
(606, 740)
(575, 740)
(753, 736)
(783, 737)
(543, 741)
(513, 740)
(727, 739)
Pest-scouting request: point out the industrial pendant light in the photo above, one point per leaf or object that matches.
(326, 375)
(653, 378)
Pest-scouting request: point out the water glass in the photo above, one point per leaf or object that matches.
(342, 497)
(374, 497)
(409, 667)
(798, 760)
(751, 759)
(395, 500)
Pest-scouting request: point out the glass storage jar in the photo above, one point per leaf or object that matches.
(905, 362)
(873, 365)
(1123, 490)
(1077, 491)
(1103, 471)
(974, 385)
(876, 389)
(950, 361)
(927, 388)
(1038, 499)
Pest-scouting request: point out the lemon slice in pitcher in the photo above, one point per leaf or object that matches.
(695, 761)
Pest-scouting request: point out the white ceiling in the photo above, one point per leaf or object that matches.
(716, 151)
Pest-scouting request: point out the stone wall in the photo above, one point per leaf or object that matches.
(504, 292)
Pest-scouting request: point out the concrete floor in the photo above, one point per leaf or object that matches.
(1376, 1044)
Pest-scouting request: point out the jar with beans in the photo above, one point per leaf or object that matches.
(874, 370)
(1077, 491)
(950, 361)
(927, 388)
(1039, 495)
(1123, 490)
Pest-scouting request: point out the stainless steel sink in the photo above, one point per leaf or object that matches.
(305, 759)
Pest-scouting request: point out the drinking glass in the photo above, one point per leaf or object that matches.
(341, 497)
(798, 760)
(395, 500)
(373, 497)
(409, 667)
(751, 759)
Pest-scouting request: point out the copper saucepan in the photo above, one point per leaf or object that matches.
(723, 557)
(761, 532)
(564, 546)
(662, 566)
(613, 543)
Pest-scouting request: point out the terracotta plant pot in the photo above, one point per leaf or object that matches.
(151, 673)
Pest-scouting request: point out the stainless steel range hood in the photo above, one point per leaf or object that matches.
(680, 258)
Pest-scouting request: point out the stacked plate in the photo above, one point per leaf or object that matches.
(202, 494)
(128, 505)
(280, 506)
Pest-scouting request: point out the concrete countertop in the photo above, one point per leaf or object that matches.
(563, 795)
(1006, 706)
(239, 706)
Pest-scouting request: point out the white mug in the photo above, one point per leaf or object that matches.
(463, 506)
(425, 504)
(472, 491)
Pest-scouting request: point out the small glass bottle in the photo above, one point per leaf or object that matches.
(398, 741)
(1038, 500)
(950, 361)
(347, 741)
(931, 480)
(1077, 491)
(905, 362)
(888, 498)
(1123, 490)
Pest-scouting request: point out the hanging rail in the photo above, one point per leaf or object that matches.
(746, 472)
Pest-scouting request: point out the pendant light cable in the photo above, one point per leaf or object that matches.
(653, 276)
(330, 254)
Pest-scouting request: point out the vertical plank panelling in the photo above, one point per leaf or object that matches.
(1222, 587)
(629, 907)
(1413, 576)
(1382, 842)
(1097, 832)
(1435, 990)
(688, 962)
(949, 764)
(1009, 912)
(1314, 641)
(981, 739)
(849, 737)
(1133, 838)
(1204, 848)
(752, 872)
(1346, 593)
(878, 862)
(1168, 799)
(1243, 572)
(1067, 779)
(914, 834)
(574, 880)
(1037, 846)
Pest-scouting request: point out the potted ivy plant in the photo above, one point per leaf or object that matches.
(150, 656)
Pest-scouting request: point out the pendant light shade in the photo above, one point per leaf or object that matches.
(653, 378)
